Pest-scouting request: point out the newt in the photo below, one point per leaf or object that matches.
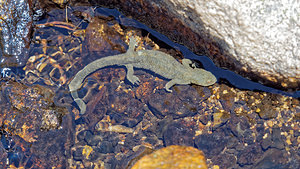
(156, 61)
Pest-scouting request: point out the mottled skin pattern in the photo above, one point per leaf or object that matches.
(155, 61)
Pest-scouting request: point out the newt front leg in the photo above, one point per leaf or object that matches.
(130, 76)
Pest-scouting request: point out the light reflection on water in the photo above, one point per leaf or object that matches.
(5, 72)
(14, 27)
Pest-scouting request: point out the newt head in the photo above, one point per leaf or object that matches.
(202, 77)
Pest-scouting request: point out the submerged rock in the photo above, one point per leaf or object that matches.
(173, 157)
(32, 107)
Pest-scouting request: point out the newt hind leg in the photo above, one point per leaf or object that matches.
(130, 76)
(174, 82)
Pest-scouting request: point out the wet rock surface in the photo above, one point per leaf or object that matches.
(15, 31)
(234, 128)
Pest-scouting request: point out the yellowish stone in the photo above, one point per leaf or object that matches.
(216, 167)
(175, 157)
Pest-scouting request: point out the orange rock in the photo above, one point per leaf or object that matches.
(175, 157)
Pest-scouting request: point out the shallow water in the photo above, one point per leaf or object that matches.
(246, 122)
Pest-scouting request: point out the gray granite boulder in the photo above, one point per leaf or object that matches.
(263, 36)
